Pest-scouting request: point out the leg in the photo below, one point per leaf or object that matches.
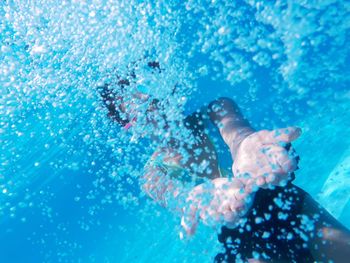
(270, 230)
(287, 225)
(331, 240)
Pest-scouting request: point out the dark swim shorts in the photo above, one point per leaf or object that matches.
(274, 229)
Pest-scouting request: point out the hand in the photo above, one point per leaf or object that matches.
(220, 201)
(265, 158)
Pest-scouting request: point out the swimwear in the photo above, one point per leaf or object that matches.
(272, 230)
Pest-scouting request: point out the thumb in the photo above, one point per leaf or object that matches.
(189, 224)
(284, 134)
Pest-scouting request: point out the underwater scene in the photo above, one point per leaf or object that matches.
(174, 131)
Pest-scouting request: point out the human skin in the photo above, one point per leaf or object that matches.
(262, 159)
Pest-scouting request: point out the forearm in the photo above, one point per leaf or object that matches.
(225, 114)
(166, 191)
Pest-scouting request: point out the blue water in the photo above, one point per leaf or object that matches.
(69, 188)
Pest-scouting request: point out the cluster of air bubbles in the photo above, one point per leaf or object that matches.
(56, 55)
(299, 46)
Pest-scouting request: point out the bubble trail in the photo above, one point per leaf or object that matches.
(290, 57)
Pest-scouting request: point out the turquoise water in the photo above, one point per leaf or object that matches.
(69, 189)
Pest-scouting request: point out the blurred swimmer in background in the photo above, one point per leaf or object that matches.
(263, 216)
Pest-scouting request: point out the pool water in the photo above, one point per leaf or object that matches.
(69, 176)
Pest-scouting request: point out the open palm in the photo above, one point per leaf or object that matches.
(265, 158)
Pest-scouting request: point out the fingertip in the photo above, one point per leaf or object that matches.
(288, 165)
(190, 228)
(295, 133)
(260, 181)
(271, 178)
(287, 135)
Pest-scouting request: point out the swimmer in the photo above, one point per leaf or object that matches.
(264, 217)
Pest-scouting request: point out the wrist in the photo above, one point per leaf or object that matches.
(238, 136)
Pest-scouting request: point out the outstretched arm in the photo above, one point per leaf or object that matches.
(261, 158)
(222, 201)
(215, 202)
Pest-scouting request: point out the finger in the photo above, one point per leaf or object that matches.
(283, 180)
(276, 178)
(258, 181)
(273, 177)
(225, 205)
(273, 150)
(285, 135)
(267, 180)
(189, 224)
(211, 217)
(251, 187)
(237, 206)
(189, 218)
(240, 208)
(280, 160)
(288, 165)
(293, 154)
(230, 217)
(241, 194)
